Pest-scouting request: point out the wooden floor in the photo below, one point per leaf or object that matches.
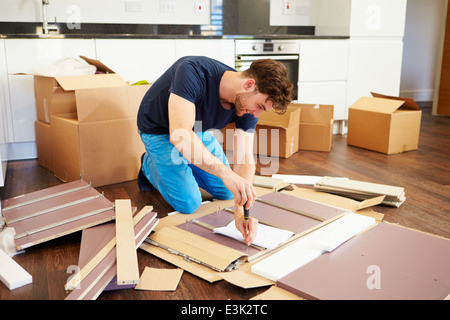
(425, 175)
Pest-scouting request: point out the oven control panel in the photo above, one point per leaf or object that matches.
(267, 47)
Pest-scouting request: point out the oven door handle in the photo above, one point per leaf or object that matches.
(274, 57)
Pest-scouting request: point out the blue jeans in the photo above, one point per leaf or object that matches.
(178, 180)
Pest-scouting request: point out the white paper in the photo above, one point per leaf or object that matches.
(299, 179)
(266, 237)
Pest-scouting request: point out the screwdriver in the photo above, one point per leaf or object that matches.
(246, 217)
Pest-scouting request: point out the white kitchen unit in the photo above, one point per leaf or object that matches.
(137, 59)
(3, 163)
(219, 49)
(4, 95)
(375, 45)
(23, 56)
(4, 124)
(374, 66)
(360, 18)
(323, 73)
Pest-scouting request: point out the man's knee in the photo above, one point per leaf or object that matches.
(188, 204)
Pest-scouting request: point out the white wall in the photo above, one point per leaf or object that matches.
(421, 37)
(108, 11)
(290, 13)
(420, 48)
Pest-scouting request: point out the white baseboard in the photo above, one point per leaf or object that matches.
(21, 150)
(418, 95)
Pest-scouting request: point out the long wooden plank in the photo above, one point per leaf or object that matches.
(51, 203)
(104, 272)
(103, 282)
(297, 211)
(56, 211)
(74, 281)
(43, 194)
(62, 222)
(127, 263)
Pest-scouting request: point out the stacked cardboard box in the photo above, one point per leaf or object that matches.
(275, 135)
(316, 127)
(281, 130)
(302, 127)
(86, 127)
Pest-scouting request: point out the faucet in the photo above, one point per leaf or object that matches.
(46, 28)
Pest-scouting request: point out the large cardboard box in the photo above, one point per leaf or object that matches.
(43, 144)
(384, 124)
(316, 126)
(275, 135)
(56, 95)
(100, 142)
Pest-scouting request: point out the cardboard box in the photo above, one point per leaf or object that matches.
(287, 126)
(275, 135)
(316, 127)
(100, 142)
(384, 124)
(56, 95)
(43, 144)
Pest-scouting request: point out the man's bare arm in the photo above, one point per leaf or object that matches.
(181, 122)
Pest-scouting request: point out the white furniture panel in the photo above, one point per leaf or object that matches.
(3, 163)
(219, 49)
(374, 65)
(4, 96)
(136, 59)
(23, 55)
(360, 18)
(323, 74)
(378, 18)
(325, 92)
(323, 60)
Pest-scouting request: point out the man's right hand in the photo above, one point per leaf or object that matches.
(241, 188)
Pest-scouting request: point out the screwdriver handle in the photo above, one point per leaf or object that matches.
(246, 212)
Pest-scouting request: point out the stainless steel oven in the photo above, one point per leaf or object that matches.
(284, 50)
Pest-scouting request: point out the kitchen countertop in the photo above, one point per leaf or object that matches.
(162, 36)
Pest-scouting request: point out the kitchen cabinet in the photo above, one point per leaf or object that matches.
(4, 124)
(219, 49)
(375, 46)
(374, 66)
(136, 59)
(360, 18)
(24, 56)
(325, 92)
(4, 95)
(3, 164)
(323, 73)
(323, 60)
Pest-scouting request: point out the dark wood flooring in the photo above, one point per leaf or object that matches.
(424, 173)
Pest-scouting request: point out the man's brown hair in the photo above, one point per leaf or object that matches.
(271, 78)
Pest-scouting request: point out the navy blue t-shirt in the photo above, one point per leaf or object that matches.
(196, 79)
